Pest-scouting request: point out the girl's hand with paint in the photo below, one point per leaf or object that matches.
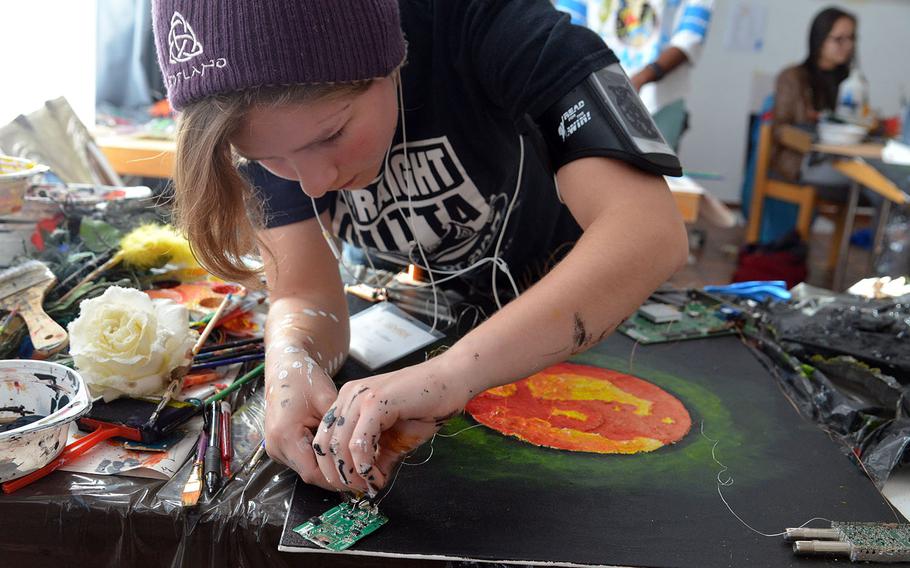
(376, 422)
(307, 336)
(298, 394)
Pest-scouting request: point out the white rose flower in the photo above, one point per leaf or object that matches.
(125, 343)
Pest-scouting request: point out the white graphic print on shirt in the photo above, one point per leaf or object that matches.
(455, 224)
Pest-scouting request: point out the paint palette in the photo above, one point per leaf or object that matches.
(340, 527)
(199, 297)
(29, 390)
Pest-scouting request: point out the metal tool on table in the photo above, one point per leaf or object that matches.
(759, 290)
(22, 289)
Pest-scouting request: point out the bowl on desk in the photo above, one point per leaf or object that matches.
(38, 402)
(841, 134)
(15, 174)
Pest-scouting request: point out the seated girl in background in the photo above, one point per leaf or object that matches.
(806, 90)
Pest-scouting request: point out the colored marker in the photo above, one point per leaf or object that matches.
(213, 453)
(227, 441)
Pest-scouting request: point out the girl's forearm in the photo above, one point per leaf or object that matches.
(301, 330)
(576, 305)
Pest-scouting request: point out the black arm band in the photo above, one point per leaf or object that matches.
(603, 116)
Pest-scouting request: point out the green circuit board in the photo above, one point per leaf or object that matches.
(696, 316)
(340, 527)
(877, 541)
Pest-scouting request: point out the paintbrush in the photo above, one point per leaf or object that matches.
(178, 374)
(22, 290)
(230, 344)
(228, 352)
(193, 488)
(256, 372)
(249, 466)
(214, 363)
(211, 324)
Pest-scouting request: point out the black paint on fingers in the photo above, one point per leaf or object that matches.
(358, 393)
(344, 478)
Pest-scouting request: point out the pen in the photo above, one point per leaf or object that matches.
(213, 454)
(227, 441)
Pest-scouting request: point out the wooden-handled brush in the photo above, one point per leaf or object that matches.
(22, 289)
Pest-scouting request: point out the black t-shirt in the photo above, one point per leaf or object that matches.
(478, 73)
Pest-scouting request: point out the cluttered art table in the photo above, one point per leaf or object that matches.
(683, 444)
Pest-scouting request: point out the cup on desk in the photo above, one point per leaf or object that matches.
(891, 127)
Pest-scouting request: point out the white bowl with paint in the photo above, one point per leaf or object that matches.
(36, 389)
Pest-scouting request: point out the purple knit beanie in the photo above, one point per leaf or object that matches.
(209, 47)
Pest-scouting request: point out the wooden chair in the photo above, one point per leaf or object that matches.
(803, 196)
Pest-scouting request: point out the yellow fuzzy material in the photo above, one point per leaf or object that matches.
(153, 246)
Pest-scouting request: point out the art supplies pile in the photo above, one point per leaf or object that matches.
(240, 449)
(131, 335)
(158, 459)
(88, 198)
(147, 247)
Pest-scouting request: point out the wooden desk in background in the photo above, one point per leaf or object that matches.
(688, 201)
(131, 156)
(143, 157)
(850, 160)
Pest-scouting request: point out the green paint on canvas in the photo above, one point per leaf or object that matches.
(483, 455)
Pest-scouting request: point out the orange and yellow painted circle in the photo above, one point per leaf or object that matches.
(584, 409)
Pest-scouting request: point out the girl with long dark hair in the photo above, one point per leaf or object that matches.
(805, 90)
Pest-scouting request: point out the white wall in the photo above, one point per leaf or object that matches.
(722, 83)
(48, 49)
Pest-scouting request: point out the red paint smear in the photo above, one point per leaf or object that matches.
(153, 459)
(509, 414)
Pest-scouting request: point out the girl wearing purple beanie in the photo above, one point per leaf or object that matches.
(470, 137)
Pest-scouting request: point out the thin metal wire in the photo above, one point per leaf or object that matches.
(729, 481)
